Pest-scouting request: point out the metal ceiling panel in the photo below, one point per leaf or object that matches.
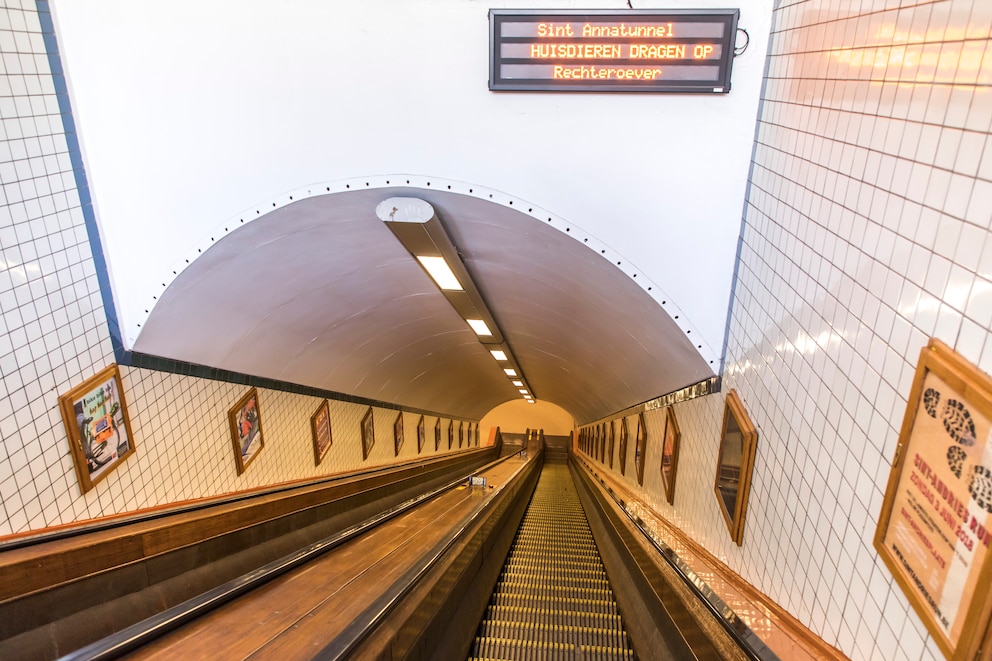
(320, 293)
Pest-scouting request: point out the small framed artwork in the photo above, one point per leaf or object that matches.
(437, 435)
(398, 434)
(320, 428)
(451, 434)
(735, 462)
(935, 527)
(98, 426)
(613, 437)
(623, 446)
(602, 435)
(246, 430)
(368, 434)
(477, 434)
(640, 448)
(670, 453)
(461, 434)
(421, 435)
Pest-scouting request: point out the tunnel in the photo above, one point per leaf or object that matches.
(704, 373)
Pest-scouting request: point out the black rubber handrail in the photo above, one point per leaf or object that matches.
(75, 530)
(749, 642)
(143, 632)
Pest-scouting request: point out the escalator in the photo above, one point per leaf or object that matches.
(553, 599)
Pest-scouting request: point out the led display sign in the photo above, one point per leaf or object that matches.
(647, 50)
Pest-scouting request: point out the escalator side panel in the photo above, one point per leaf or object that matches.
(658, 614)
(437, 620)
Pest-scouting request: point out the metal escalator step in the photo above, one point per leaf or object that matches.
(507, 648)
(556, 633)
(551, 615)
(598, 606)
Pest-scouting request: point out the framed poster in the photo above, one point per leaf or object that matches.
(670, 453)
(99, 429)
(320, 428)
(735, 462)
(640, 448)
(623, 446)
(935, 526)
(613, 437)
(421, 435)
(461, 434)
(477, 434)
(246, 430)
(437, 435)
(398, 434)
(368, 434)
(451, 433)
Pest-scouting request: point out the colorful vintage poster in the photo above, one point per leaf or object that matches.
(320, 426)
(940, 521)
(99, 418)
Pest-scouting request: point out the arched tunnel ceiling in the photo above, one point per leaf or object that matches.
(320, 293)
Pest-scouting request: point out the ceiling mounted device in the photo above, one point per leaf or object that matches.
(415, 223)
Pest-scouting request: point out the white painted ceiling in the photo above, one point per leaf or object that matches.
(320, 293)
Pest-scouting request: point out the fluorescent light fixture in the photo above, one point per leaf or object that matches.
(510, 372)
(479, 326)
(441, 272)
(522, 391)
(518, 384)
(498, 355)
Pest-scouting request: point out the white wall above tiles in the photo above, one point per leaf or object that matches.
(191, 113)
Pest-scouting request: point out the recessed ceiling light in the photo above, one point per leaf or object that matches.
(510, 372)
(479, 326)
(441, 272)
(523, 392)
(518, 383)
(498, 355)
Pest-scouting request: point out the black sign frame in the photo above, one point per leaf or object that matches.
(598, 67)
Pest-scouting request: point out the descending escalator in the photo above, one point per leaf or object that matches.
(553, 599)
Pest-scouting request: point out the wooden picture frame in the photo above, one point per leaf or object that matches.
(613, 438)
(421, 434)
(98, 426)
(670, 454)
(368, 434)
(623, 446)
(935, 525)
(247, 437)
(641, 448)
(320, 429)
(734, 465)
(437, 435)
(398, 434)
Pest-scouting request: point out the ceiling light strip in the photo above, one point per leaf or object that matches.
(415, 223)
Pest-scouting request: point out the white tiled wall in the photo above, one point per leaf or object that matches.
(53, 334)
(867, 231)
